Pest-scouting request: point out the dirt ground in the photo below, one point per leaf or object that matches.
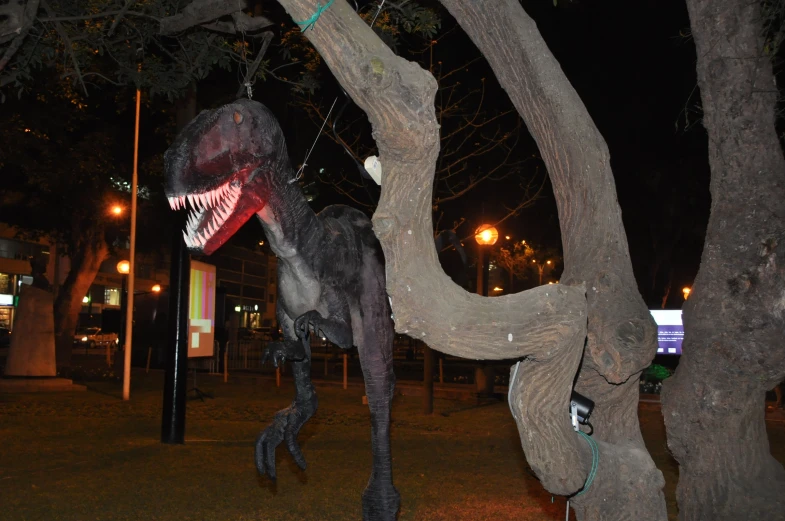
(91, 456)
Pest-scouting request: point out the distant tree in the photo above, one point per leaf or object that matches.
(63, 169)
(514, 259)
(544, 261)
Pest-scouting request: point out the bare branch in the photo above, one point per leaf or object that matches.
(249, 24)
(104, 14)
(120, 16)
(26, 22)
(69, 47)
(200, 12)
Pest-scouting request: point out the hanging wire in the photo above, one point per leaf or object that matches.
(305, 161)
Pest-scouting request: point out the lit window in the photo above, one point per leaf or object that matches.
(112, 296)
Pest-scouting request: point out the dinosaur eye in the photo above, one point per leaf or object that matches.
(238, 118)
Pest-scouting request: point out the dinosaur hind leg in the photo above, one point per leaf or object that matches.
(380, 498)
(375, 345)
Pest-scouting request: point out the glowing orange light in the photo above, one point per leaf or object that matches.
(117, 209)
(123, 267)
(486, 235)
(497, 288)
(686, 292)
(156, 288)
(507, 237)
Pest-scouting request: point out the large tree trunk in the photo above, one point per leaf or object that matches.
(735, 317)
(621, 334)
(85, 264)
(545, 324)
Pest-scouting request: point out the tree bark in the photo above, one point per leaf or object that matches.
(734, 318)
(546, 324)
(85, 264)
(621, 333)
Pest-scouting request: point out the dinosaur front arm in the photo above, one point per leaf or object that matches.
(336, 329)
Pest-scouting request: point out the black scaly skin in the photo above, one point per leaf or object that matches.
(331, 276)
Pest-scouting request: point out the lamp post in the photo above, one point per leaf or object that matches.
(129, 317)
(541, 267)
(485, 235)
(123, 267)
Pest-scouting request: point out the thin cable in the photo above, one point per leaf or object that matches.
(509, 388)
(595, 462)
(305, 161)
(377, 13)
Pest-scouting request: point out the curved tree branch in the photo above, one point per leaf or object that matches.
(546, 324)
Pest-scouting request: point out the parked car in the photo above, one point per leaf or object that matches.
(93, 336)
(5, 337)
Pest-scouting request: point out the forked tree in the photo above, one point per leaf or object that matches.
(546, 326)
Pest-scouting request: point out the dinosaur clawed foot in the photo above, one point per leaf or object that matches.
(380, 501)
(285, 427)
(304, 322)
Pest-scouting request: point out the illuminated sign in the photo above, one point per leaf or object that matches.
(670, 331)
(6, 300)
(201, 310)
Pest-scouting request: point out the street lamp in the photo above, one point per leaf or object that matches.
(123, 267)
(486, 235)
(117, 209)
(541, 267)
(156, 288)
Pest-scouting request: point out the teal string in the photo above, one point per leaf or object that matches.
(595, 461)
(315, 16)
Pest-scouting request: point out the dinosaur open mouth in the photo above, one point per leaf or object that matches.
(209, 210)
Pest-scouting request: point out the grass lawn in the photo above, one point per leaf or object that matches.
(91, 456)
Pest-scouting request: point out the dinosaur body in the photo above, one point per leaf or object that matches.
(232, 163)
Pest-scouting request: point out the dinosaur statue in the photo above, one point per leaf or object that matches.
(231, 163)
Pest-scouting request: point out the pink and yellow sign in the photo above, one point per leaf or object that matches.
(201, 310)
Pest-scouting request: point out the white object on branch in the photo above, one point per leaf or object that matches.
(374, 168)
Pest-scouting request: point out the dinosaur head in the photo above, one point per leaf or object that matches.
(224, 165)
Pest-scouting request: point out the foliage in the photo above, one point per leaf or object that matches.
(656, 373)
(514, 260)
(58, 167)
(103, 42)
(162, 46)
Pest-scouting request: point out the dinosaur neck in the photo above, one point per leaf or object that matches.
(288, 221)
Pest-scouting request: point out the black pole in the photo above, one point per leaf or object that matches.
(427, 363)
(175, 388)
(123, 304)
(486, 264)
